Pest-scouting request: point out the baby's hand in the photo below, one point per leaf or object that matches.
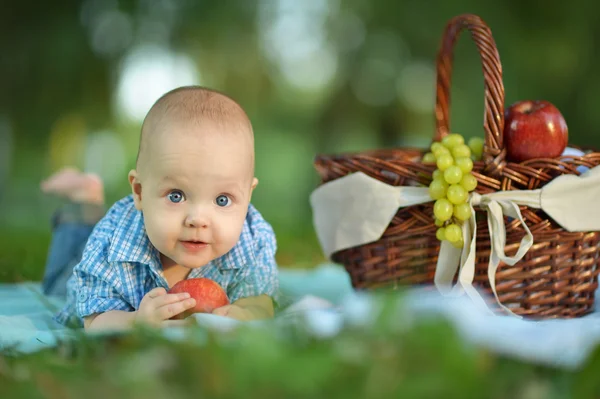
(235, 312)
(158, 306)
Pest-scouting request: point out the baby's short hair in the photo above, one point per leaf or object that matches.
(195, 105)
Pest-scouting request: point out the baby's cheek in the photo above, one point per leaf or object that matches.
(164, 229)
(230, 235)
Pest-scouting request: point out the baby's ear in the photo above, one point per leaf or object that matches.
(252, 187)
(136, 188)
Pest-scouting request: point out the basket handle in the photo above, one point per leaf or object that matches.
(494, 153)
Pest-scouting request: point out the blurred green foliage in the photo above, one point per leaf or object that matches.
(395, 358)
(315, 77)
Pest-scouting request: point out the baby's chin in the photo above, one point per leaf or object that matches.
(196, 262)
(187, 261)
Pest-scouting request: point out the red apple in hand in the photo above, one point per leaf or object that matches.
(208, 294)
(534, 129)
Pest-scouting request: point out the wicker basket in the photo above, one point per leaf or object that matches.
(556, 278)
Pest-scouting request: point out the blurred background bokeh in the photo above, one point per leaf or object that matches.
(315, 76)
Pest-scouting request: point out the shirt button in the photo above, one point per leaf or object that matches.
(82, 296)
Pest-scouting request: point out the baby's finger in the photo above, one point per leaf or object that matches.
(156, 292)
(167, 311)
(222, 311)
(168, 299)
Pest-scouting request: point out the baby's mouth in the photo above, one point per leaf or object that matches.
(193, 245)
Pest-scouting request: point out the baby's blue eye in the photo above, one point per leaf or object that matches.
(223, 200)
(175, 196)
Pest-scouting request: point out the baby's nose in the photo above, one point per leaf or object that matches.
(197, 219)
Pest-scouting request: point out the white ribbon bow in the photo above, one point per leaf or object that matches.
(356, 210)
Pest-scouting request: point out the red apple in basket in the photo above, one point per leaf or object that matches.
(208, 294)
(534, 129)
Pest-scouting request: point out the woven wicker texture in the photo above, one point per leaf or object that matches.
(556, 278)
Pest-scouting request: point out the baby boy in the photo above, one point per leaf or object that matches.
(189, 215)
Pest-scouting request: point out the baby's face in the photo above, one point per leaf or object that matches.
(195, 191)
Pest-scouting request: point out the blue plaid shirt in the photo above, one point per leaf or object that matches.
(119, 265)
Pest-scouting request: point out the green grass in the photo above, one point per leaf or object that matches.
(23, 254)
(422, 360)
(395, 358)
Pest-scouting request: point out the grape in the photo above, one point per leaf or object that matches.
(458, 244)
(453, 174)
(465, 164)
(462, 211)
(444, 161)
(451, 183)
(429, 158)
(453, 140)
(435, 146)
(457, 194)
(461, 150)
(443, 209)
(439, 234)
(437, 189)
(440, 151)
(468, 182)
(453, 233)
(476, 146)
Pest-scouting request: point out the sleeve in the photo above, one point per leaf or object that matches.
(260, 276)
(97, 287)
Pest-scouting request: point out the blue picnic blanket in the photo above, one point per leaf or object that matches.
(27, 325)
(324, 301)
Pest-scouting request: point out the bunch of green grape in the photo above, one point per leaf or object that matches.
(452, 182)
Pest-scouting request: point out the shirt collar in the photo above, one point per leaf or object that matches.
(243, 253)
(130, 242)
